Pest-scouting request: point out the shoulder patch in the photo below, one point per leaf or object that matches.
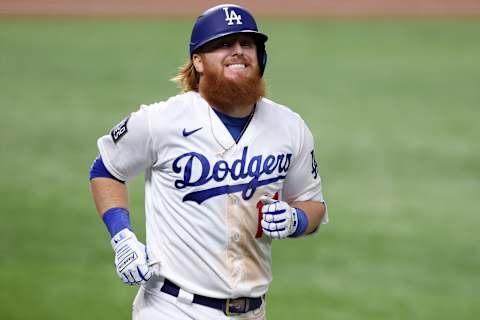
(120, 130)
(314, 165)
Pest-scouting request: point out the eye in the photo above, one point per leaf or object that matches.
(226, 44)
(247, 44)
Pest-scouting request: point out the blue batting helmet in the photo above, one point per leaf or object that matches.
(223, 20)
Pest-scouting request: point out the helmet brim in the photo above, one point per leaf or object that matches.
(259, 38)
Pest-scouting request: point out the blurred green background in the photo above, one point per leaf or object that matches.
(393, 105)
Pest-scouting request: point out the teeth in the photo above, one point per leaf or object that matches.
(237, 66)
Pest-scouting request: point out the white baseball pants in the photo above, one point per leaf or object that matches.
(152, 304)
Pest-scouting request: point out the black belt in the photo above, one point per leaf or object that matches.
(228, 306)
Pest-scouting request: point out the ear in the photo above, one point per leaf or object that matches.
(197, 62)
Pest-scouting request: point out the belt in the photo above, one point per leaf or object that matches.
(228, 306)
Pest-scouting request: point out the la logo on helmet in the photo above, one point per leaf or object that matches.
(232, 16)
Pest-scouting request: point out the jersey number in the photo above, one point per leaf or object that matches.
(259, 233)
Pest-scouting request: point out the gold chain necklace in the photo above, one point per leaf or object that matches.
(225, 150)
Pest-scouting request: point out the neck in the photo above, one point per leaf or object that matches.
(236, 111)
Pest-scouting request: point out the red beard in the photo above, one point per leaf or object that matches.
(225, 93)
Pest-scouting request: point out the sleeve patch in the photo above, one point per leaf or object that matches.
(120, 130)
(314, 165)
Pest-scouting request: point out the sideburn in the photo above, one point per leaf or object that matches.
(224, 93)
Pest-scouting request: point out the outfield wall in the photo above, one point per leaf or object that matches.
(301, 8)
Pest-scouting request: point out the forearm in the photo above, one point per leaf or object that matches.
(111, 200)
(108, 193)
(314, 210)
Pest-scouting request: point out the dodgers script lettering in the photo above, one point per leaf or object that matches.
(196, 170)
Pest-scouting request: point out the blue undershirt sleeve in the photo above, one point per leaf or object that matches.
(98, 170)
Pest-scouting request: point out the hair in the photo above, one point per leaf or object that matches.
(187, 78)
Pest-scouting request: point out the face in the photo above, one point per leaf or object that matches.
(233, 56)
(230, 76)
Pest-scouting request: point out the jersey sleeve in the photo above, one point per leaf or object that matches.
(303, 182)
(127, 150)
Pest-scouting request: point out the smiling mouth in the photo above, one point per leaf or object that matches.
(237, 66)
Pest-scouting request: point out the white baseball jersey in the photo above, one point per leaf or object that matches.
(202, 189)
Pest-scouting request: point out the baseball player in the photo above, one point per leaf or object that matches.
(227, 172)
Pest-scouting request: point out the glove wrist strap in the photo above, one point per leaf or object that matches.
(302, 223)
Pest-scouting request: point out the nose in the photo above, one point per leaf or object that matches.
(237, 48)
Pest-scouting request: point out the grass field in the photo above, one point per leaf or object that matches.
(394, 107)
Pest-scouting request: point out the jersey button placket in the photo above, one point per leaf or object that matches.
(235, 207)
(236, 236)
(237, 271)
(234, 222)
(230, 225)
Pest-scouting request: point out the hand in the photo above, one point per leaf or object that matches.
(130, 258)
(279, 219)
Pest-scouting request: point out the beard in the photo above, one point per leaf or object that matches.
(225, 93)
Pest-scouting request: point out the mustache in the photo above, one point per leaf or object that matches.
(239, 61)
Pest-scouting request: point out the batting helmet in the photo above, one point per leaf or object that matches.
(223, 20)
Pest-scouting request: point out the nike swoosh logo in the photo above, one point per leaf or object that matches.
(187, 133)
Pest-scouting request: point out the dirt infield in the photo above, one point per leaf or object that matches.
(301, 8)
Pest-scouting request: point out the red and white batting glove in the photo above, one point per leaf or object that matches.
(130, 258)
